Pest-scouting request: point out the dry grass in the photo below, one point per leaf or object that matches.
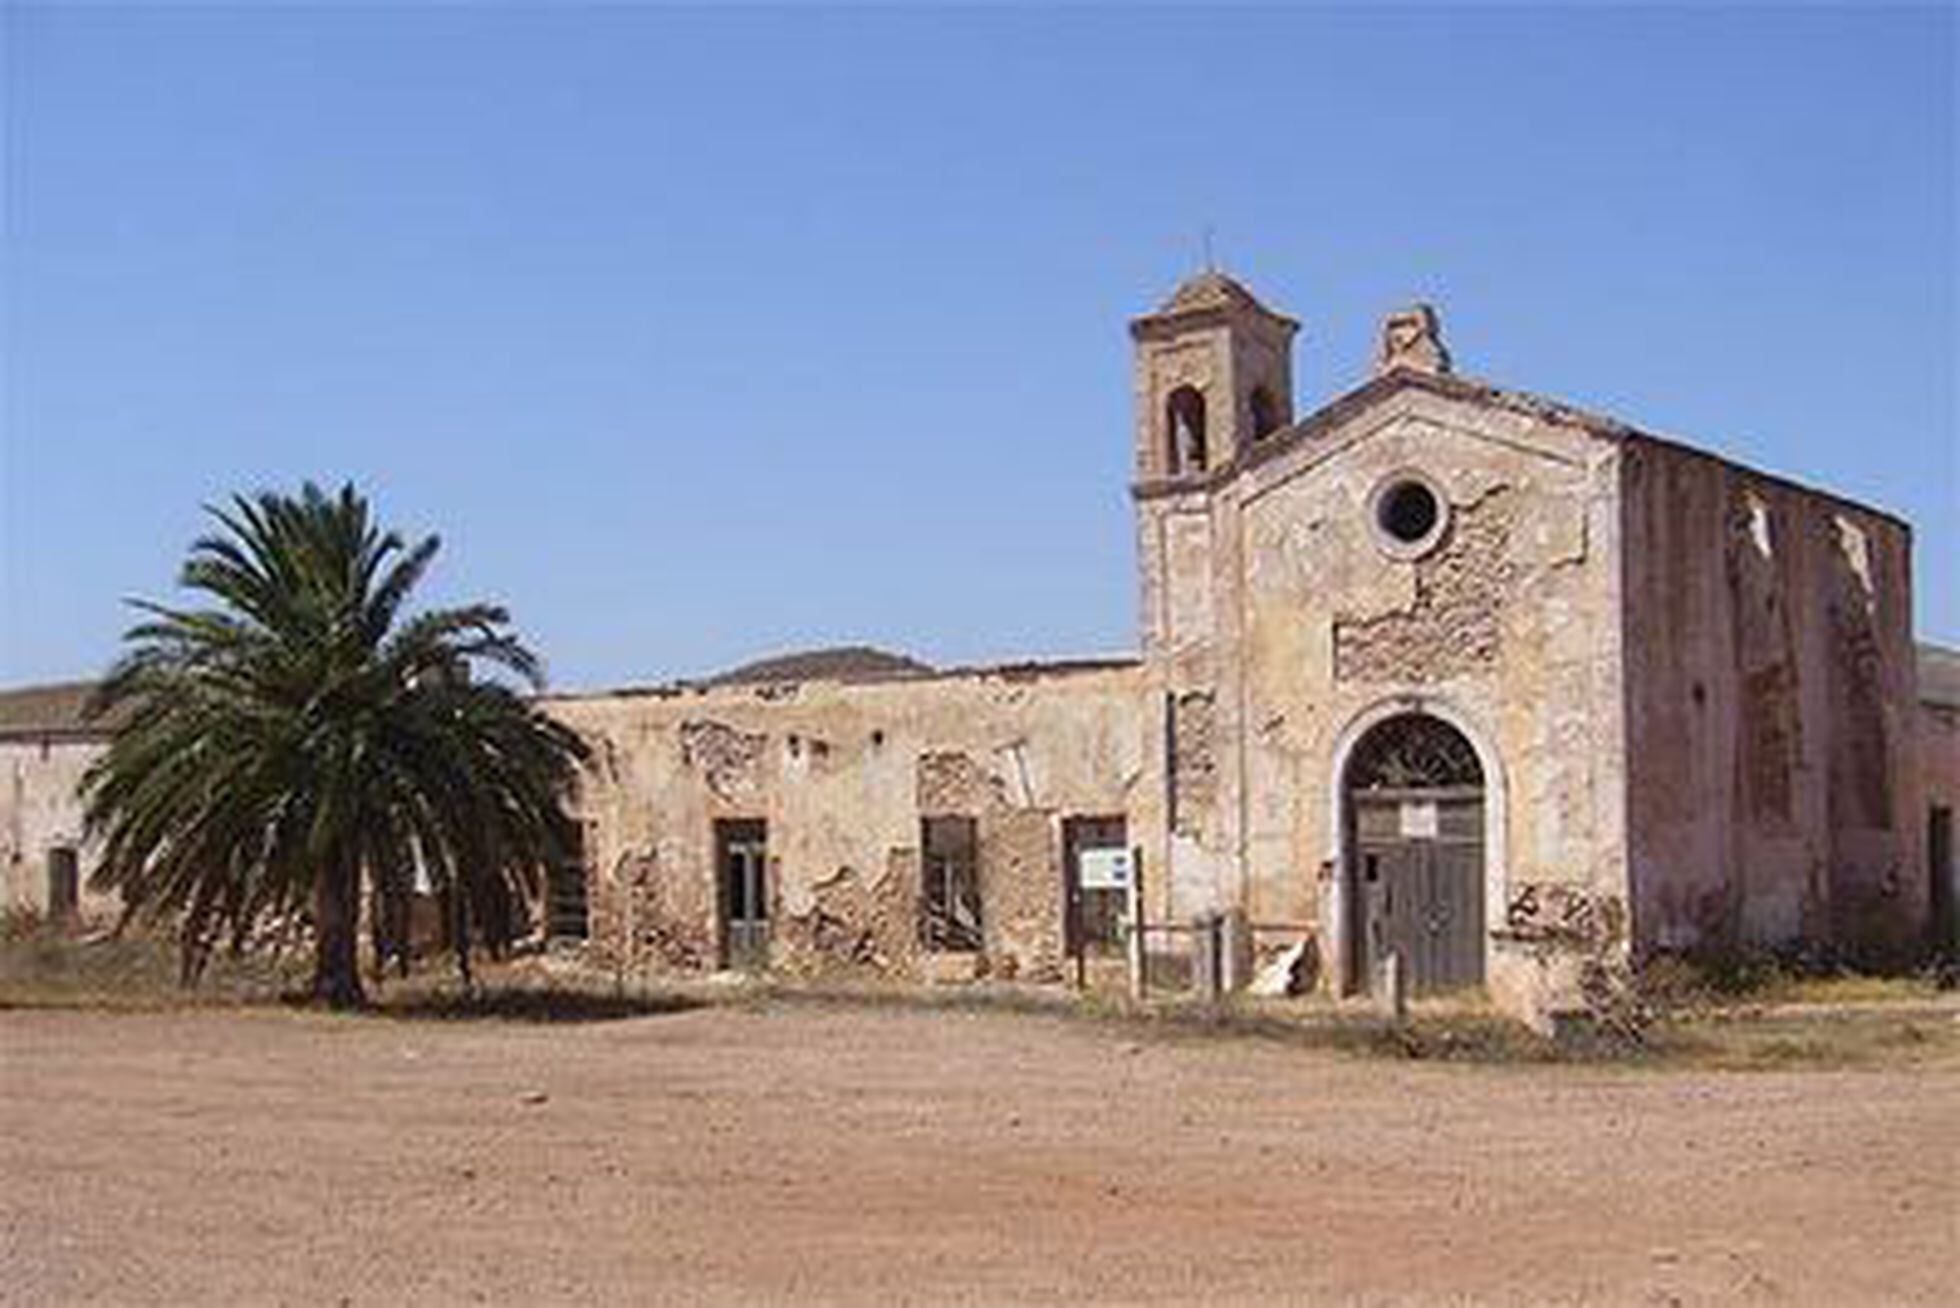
(1867, 1034)
(1754, 979)
(1781, 1023)
(49, 969)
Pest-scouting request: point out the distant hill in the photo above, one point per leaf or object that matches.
(839, 663)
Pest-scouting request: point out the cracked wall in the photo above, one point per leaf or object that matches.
(1770, 674)
(1194, 760)
(1509, 621)
(39, 811)
(1454, 625)
(856, 922)
(842, 774)
(729, 762)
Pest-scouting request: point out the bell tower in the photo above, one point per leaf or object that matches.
(1213, 377)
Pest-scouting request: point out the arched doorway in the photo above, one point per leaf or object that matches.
(1413, 791)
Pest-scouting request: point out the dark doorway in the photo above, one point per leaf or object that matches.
(1941, 928)
(567, 915)
(1096, 910)
(1415, 801)
(64, 882)
(949, 898)
(742, 855)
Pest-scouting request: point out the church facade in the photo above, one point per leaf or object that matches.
(1441, 672)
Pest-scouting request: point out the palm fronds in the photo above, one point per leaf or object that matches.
(301, 739)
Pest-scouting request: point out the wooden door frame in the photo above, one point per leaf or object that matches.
(1074, 940)
(67, 855)
(1340, 900)
(728, 834)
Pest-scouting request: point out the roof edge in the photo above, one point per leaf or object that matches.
(1023, 670)
(1474, 390)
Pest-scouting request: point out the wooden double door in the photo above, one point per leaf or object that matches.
(1419, 880)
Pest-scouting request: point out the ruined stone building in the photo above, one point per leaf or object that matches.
(1440, 669)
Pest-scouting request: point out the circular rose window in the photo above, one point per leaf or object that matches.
(1409, 514)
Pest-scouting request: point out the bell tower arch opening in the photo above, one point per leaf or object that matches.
(1214, 374)
(1264, 411)
(1184, 421)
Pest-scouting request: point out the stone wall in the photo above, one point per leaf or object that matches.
(1454, 624)
(1505, 625)
(1939, 778)
(842, 774)
(1773, 745)
(39, 810)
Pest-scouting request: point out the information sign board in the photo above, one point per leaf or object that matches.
(1104, 869)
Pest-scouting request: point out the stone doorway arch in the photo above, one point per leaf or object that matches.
(1413, 794)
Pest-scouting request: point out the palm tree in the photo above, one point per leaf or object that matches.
(304, 739)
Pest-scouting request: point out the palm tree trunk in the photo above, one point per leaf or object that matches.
(459, 932)
(336, 925)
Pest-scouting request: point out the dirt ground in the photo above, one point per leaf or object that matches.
(811, 1154)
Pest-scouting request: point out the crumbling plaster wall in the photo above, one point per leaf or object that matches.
(1201, 361)
(1188, 856)
(1938, 748)
(1773, 794)
(1939, 754)
(1510, 625)
(40, 808)
(1224, 366)
(842, 774)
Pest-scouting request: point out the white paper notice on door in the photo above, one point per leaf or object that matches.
(1418, 819)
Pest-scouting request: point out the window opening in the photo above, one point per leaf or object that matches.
(567, 914)
(1186, 411)
(1413, 751)
(1408, 511)
(1265, 413)
(949, 902)
(64, 881)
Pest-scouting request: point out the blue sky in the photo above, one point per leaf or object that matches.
(699, 335)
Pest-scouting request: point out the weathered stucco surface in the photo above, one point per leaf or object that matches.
(1938, 762)
(40, 811)
(1691, 692)
(1773, 786)
(842, 774)
(1507, 626)
(1939, 754)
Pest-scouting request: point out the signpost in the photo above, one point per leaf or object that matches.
(1106, 869)
(1135, 886)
